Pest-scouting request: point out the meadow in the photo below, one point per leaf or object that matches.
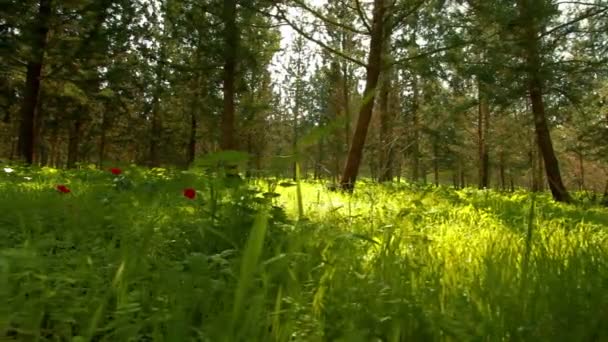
(169, 255)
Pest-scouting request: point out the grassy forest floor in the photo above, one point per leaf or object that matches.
(129, 257)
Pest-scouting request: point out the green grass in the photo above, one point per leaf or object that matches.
(130, 259)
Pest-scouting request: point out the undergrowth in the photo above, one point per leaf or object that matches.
(128, 258)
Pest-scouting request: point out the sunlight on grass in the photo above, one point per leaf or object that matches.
(394, 262)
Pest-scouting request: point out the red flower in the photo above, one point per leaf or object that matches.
(116, 171)
(190, 193)
(63, 189)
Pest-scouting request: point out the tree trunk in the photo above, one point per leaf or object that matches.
(231, 36)
(14, 151)
(74, 142)
(355, 153)
(102, 139)
(581, 168)
(27, 138)
(192, 138)
(541, 171)
(415, 133)
(503, 184)
(463, 180)
(346, 102)
(535, 89)
(296, 113)
(156, 130)
(482, 132)
(386, 130)
(435, 162)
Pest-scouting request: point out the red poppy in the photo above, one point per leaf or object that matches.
(116, 171)
(190, 193)
(63, 189)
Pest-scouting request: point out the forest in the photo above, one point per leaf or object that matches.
(303, 170)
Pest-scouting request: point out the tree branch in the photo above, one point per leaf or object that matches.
(574, 21)
(318, 15)
(309, 37)
(398, 20)
(362, 16)
(432, 52)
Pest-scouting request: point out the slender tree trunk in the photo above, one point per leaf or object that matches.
(501, 161)
(13, 149)
(581, 168)
(156, 130)
(386, 130)
(482, 130)
(231, 37)
(535, 89)
(346, 102)
(296, 113)
(192, 138)
(198, 94)
(541, 171)
(54, 147)
(435, 162)
(74, 142)
(463, 177)
(102, 139)
(27, 138)
(355, 153)
(415, 133)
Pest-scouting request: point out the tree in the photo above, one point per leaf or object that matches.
(531, 20)
(231, 45)
(374, 65)
(39, 33)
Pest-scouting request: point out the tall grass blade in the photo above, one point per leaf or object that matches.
(249, 262)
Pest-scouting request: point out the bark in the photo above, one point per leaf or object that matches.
(14, 151)
(74, 142)
(27, 138)
(346, 102)
(386, 131)
(501, 161)
(198, 94)
(355, 153)
(296, 112)
(415, 133)
(461, 172)
(531, 43)
(581, 168)
(156, 129)
(192, 138)
(482, 132)
(435, 163)
(102, 139)
(229, 13)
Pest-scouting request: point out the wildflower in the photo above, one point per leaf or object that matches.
(8, 170)
(190, 193)
(116, 171)
(63, 189)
